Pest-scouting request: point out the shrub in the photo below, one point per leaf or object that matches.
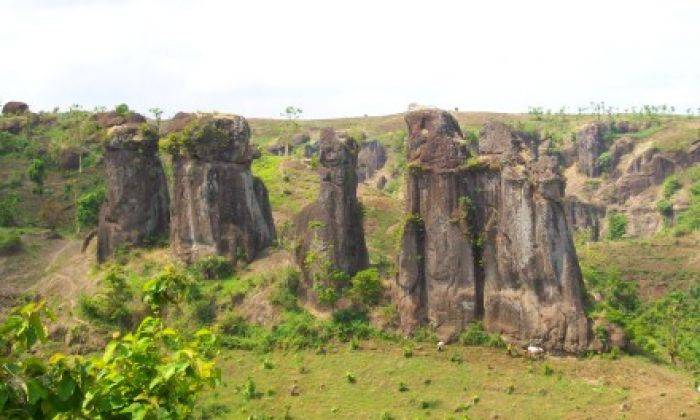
(286, 293)
(88, 207)
(37, 174)
(670, 186)
(8, 210)
(150, 373)
(476, 335)
(665, 207)
(11, 143)
(10, 242)
(122, 109)
(617, 226)
(350, 377)
(366, 287)
(205, 311)
(214, 267)
(604, 161)
(689, 220)
(168, 286)
(110, 305)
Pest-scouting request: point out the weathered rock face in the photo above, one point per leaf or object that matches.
(329, 231)
(14, 107)
(651, 168)
(583, 216)
(590, 141)
(218, 206)
(488, 240)
(371, 158)
(112, 119)
(137, 204)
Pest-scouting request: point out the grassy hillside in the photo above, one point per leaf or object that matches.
(352, 364)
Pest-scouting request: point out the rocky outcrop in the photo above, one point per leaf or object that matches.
(582, 216)
(487, 238)
(218, 206)
(329, 231)
(590, 142)
(112, 119)
(14, 108)
(136, 206)
(651, 168)
(371, 158)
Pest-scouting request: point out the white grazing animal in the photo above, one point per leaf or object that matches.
(441, 345)
(535, 352)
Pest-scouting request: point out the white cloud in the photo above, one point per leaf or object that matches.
(349, 58)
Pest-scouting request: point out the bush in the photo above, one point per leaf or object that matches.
(10, 242)
(8, 210)
(122, 109)
(366, 287)
(617, 226)
(214, 267)
(476, 335)
(150, 373)
(670, 186)
(110, 305)
(689, 220)
(37, 174)
(604, 161)
(286, 293)
(11, 143)
(665, 207)
(205, 311)
(88, 208)
(167, 287)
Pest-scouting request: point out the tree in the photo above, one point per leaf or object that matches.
(291, 113)
(157, 112)
(122, 109)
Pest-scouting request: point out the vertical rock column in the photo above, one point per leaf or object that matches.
(486, 238)
(136, 208)
(329, 231)
(436, 280)
(218, 208)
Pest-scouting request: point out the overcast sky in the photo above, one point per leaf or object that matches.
(352, 57)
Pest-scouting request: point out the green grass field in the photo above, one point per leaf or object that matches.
(461, 382)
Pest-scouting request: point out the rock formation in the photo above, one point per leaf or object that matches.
(329, 231)
(218, 206)
(370, 159)
(486, 238)
(112, 119)
(590, 142)
(136, 206)
(14, 107)
(584, 216)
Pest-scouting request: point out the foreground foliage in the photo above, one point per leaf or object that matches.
(150, 373)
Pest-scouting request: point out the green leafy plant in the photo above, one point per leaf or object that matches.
(366, 287)
(150, 373)
(168, 286)
(617, 226)
(37, 174)
(88, 207)
(214, 267)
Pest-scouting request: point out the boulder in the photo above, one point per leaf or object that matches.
(14, 108)
(137, 204)
(487, 240)
(112, 119)
(370, 159)
(590, 142)
(329, 232)
(69, 159)
(218, 206)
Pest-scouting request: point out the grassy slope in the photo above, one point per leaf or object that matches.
(592, 388)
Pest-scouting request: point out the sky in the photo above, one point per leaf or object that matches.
(349, 58)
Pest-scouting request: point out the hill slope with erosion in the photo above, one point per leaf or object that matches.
(646, 252)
